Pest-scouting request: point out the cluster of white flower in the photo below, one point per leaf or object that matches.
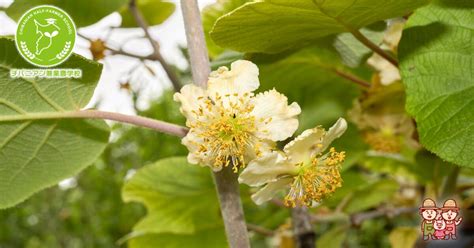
(230, 125)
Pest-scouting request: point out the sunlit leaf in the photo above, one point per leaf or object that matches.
(272, 26)
(437, 65)
(209, 16)
(37, 153)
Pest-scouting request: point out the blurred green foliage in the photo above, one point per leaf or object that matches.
(92, 213)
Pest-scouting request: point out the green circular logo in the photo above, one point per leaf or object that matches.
(45, 36)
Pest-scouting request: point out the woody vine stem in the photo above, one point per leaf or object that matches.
(225, 180)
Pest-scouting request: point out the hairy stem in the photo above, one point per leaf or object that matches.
(302, 228)
(157, 125)
(359, 36)
(141, 22)
(225, 180)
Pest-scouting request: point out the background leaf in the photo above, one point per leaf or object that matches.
(35, 154)
(154, 11)
(437, 65)
(353, 52)
(371, 195)
(83, 12)
(403, 237)
(180, 199)
(333, 238)
(209, 238)
(275, 25)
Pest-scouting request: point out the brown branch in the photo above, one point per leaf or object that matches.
(141, 22)
(157, 125)
(303, 228)
(225, 180)
(196, 43)
(351, 77)
(359, 36)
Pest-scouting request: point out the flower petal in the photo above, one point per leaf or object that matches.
(268, 192)
(300, 149)
(275, 118)
(188, 97)
(333, 133)
(266, 169)
(242, 78)
(313, 141)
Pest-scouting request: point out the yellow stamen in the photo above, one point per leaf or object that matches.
(316, 180)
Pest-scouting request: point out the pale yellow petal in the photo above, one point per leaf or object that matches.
(301, 148)
(314, 141)
(246, 75)
(270, 190)
(275, 119)
(188, 97)
(333, 133)
(241, 78)
(266, 169)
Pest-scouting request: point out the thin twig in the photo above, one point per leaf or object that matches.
(343, 203)
(359, 36)
(225, 180)
(358, 218)
(157, 125)
(260, 230)
(120, 51)
(141, 22)
(352, 78)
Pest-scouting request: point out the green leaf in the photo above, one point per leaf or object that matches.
(210, 14)
(180, 199)
(334, 238)
(307, 76)
(403, 237)
(154, 11)
(437, 67)
(209, 238)
(371, 195)
(275, 25)
(36, 153)
(353, 52)
(83, 12)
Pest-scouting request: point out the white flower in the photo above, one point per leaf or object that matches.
(302, 166)
(228, 124)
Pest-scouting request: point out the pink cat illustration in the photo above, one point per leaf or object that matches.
(440, 228)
